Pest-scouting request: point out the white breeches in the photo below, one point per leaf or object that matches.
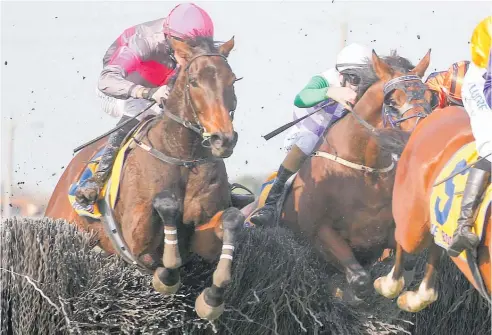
(304, 139)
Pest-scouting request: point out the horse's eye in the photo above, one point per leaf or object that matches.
(193, 82)
(391, 102)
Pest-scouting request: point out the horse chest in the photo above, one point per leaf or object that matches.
(205, 195)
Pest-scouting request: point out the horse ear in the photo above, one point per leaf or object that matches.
(383, 70)
(225, 49)
(422, 66)
(182, 49)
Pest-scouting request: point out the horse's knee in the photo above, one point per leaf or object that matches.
(167, 206)
(232, 219)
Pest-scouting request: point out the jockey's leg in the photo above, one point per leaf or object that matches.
(89, 191)
(167, 280)
(210, 303)
(463, 237)
(291, 164)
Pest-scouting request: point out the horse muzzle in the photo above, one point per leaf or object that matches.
(222, 144)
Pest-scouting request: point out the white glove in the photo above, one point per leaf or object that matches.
(159, 93)
(342, 95)
(154, 94)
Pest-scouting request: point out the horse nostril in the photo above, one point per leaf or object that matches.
(216, 140)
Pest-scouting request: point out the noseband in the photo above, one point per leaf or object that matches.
(415, 89)
(197, 126)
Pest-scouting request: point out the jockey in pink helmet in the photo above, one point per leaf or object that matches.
(136, 69)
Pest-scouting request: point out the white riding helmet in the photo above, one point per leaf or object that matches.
(353, 56)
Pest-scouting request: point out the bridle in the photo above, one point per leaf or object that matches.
(197, 126)
(415, 89)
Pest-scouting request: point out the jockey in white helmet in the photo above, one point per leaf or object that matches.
(338, 84)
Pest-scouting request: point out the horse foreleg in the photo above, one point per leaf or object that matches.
(357, 277)
(210, 303)
(392, 284)
(427, 292)
(166, 279)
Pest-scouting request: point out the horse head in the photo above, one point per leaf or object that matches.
(207, 82)
(405, 96)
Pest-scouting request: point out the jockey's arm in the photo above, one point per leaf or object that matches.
(112, 80)
(126, 59)
(313, 93)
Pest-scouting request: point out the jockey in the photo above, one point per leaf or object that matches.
(487, 89)
(331, 91)
(446, 85)
(474, 95)
(137, 69)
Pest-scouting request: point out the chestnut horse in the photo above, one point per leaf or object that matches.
(174, 197)
(434, 142)
(340, 200)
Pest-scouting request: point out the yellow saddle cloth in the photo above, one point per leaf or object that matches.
(265, 190)
(93, 210)
(445, 201)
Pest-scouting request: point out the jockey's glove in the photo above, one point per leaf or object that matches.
(155, 94)
(342, 95)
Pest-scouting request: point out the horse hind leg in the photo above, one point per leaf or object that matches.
(210, 303)
(426, 294)
(166, 279)
(392, 284)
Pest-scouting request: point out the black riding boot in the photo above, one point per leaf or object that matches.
(463, 237)
(89, 191)
(267, 213)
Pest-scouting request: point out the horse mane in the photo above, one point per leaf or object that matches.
(202, 44)
(368, 75)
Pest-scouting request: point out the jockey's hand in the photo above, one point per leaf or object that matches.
(156, 94)
(342, 95)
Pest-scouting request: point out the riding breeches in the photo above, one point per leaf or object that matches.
(304, 139)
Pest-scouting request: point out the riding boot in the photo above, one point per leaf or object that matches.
(89, 191)
(291, 165)
(463, 237)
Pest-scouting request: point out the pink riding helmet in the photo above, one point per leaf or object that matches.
(188, 20)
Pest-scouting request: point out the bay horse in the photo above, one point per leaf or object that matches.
(340, 200)
(434, 148)
(174, 197)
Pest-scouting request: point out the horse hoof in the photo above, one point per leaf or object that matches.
(413, 302)
(205, 311)
(338, 293)
(389, 288)
(360, 283)
(351, 299)
(159, 286)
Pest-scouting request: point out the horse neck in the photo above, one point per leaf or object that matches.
(172, 138)
(350, 139)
